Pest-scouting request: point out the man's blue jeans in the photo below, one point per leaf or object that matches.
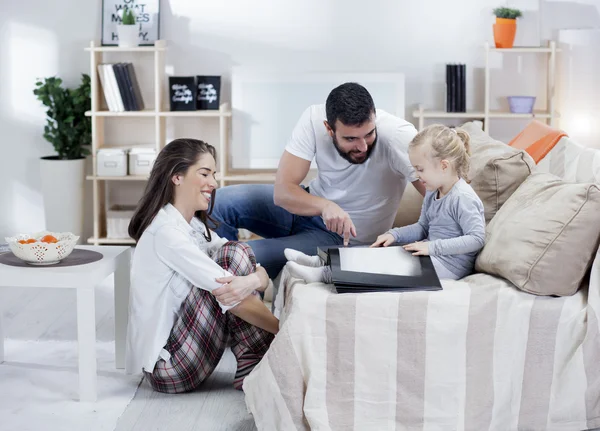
(251, 206)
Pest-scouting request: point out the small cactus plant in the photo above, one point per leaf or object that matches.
(128, 16)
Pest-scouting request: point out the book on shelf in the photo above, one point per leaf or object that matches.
(456, 91)
(463, 86)
(120, 87)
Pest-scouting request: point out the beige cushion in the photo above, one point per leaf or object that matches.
(496, 169)
(544, 237)
(410, 207)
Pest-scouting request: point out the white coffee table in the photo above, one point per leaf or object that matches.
(84, 278)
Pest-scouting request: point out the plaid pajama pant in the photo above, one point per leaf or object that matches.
(202, 332)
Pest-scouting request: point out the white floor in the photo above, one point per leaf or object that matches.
(216, 406)
(38, 388)
(38, 380)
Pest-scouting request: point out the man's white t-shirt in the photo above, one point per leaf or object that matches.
(369, 192)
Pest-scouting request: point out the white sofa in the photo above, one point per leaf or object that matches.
(482, 354)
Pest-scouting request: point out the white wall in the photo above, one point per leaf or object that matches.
(39, 39)
(580, 69)
(206, 37)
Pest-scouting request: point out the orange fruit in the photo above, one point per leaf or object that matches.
(30, 241)
(49, 239)
(22, 241)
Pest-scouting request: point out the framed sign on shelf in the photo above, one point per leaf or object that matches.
(147, 15)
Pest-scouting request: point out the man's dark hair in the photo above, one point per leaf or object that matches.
(350, 103)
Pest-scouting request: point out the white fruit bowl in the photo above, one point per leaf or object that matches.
(43, 253)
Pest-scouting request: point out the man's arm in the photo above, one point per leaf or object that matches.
(420, 187)
(290, 196)
(288, 193)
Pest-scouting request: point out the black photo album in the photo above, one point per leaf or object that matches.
(361, 269)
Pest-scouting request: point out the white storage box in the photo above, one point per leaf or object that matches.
(141, 161)
(117, 221)
(111, 162)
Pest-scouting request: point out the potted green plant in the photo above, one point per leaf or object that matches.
(127, 30)
(69, 131)
(505, 27)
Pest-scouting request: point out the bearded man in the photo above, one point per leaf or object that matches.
(363, 168)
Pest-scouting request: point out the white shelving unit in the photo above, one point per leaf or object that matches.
(160, 113)
(550, 114)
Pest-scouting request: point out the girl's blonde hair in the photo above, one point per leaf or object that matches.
(452, 144)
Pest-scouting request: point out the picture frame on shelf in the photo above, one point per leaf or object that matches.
(147, 13)
(208, 93)
(182, 93)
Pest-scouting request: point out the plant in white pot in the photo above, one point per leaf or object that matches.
(69, 131)
(128, 30)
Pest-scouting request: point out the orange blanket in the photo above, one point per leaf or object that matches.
(537, 139)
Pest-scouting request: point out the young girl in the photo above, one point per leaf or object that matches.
(451, 228)
(192, 293)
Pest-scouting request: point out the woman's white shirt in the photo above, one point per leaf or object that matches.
(171, 258)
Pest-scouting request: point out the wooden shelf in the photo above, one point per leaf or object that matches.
(110, 241)
(144, 113)
(525, 49)
(535, 114)
(123, 49)
(152, 113)
(124, 178)
(548, 113)
(443, 114)
(206, 113)
(158, 102)
(480, 114)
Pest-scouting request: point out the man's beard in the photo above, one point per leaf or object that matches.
(348, 156)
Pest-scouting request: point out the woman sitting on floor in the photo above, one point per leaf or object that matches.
(192, 292)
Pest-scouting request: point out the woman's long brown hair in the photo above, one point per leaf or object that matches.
(175, 159)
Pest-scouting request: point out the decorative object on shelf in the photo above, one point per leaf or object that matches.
(521, 104)
(69, 131)
(117, 221)
(147, 22)
(209, 92)
(182, 93)
(111, 162)
(141, 161)
(120, 87)
(505, 27)
(128, 30)
(456, 88)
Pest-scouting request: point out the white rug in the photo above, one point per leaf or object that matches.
(39, 388)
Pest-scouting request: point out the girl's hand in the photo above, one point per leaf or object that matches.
(235, 289)
(384, 240)
(420, 248)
